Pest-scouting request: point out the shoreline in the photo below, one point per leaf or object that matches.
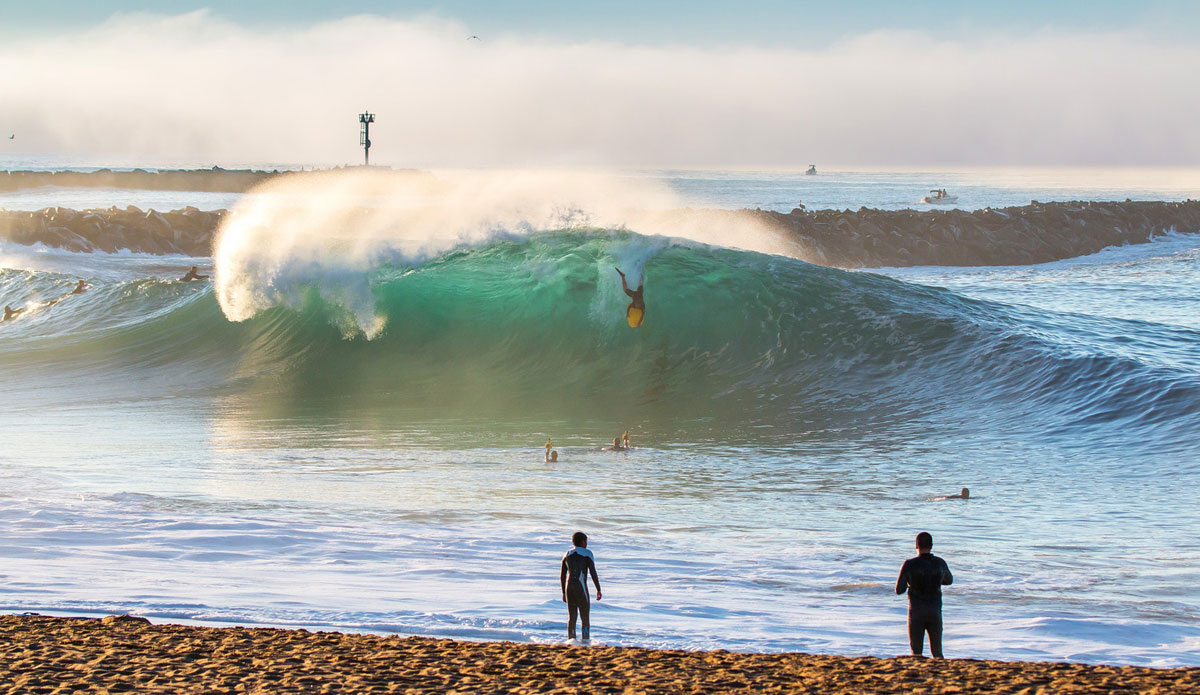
(121, 653)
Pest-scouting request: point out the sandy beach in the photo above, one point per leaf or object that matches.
(41, 654)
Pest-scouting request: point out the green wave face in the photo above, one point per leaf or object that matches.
(738, 345)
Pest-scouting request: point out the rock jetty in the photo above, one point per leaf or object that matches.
(214, 180)
(188, 231)
(1035, 233)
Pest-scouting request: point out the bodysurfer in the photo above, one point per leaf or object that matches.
(576, 565)
(79, 288)
(636, 312)
(11, 313)
(192, 275)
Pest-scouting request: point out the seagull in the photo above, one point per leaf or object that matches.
(474, 38)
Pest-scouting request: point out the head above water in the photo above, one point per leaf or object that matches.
(616, 442)
(965, 493)
(924, 542)
(554, 455)
(579, 540)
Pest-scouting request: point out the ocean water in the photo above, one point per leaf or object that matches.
(364, 450)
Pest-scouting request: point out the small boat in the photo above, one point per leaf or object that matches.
(939, 197)
(812, 170)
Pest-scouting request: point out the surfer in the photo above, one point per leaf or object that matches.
(923, 577)
(576, 565)
(79, 288)
(192, 275)
(636, 312)
(11, 313)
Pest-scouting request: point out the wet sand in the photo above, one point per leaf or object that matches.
(81, 655)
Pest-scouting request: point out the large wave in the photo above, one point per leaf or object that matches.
(747, 344)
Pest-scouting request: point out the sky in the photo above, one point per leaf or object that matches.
(758, 83)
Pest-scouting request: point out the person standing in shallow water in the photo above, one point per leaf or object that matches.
(576, 565)
(923, 577)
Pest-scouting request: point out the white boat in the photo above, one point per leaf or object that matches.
(812, 170)
(939, 197)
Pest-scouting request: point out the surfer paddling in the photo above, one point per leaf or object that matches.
(80, 288)
(192, 275)
(636, 312)
(576, 565)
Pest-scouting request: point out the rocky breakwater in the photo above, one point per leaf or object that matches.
(188, 231)
(214, 180)
(1035, 233)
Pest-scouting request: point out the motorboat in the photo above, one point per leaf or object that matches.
(939, 197)
(812, 170)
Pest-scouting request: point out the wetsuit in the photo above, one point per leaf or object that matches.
(923, 577)
(576, 565)
(636, 312)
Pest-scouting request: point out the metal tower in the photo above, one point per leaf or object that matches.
(364, 135)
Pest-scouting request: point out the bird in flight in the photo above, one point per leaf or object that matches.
(474, 38)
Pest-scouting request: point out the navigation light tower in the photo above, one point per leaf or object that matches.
(364, 135)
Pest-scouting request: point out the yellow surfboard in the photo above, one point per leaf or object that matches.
(635, 316)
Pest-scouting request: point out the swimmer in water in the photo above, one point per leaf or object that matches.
(79, 289)
(964, 495)
(552, 456)
(625, 439)
(636, 312)
(617, 445)
(192, 275)
(11, 313)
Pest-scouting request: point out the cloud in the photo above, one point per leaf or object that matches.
(197, 86)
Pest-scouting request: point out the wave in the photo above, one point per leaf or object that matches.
(751, 345)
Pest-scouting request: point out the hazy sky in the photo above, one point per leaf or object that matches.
(616, 83)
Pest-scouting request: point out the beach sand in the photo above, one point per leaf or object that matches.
(41, 654)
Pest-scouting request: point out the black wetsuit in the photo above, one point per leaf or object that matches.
(923, 577)
(576, 565)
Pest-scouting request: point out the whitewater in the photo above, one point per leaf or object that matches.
(344, 428)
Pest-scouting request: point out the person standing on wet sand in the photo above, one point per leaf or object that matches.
(923, 577)
(576, 565)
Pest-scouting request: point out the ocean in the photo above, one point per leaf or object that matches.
(362, 448)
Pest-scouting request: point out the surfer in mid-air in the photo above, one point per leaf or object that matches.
(636, 313)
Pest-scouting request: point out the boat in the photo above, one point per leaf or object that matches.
(812, 170)
(939, 197)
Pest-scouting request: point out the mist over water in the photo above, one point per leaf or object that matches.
(344, 428)
(197, 86)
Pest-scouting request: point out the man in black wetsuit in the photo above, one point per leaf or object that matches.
(923, 577)
(576, 565)
(192, 275)
(636, 311)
